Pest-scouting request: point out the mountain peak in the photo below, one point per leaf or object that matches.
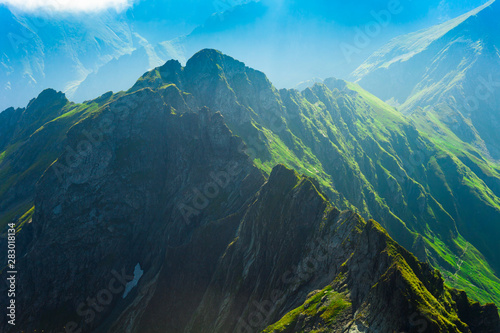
(47, 97)
(334, 83)
(204, 55)
(208, 52)
(208, 60)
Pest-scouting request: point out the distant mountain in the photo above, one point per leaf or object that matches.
(39, 52)
(159, 20)
(177, 192)
(447, 77)
(141, 166)
(121, 72)
(311, 39)
(315, 39)
(76, 53)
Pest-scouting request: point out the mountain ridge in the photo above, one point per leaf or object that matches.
(357, 148)
(455, 95)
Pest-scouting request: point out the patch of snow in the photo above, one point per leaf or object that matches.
(138, 272)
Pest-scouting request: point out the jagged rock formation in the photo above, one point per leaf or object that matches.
(290, 242)
(153, 180)
(119, 204)
(242, 272)
(364, 153)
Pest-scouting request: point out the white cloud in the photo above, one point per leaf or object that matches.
(67, 5)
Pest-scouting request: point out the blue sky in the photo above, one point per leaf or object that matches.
(447, 7)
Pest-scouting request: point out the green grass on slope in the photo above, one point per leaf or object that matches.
(325, 305)
(381, 122)
(389, 116)
(50, 134)
(280, 153)
(463, 267)
(468, 270)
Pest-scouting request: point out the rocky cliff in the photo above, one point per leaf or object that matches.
(166, 209)
(366, 155)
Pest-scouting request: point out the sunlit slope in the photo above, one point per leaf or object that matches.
(364, 152)
(365, 155)
(448, 74)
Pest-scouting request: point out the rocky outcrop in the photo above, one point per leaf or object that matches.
(154, 218)
(292, 242)
(281, 258)
(137, 181)
(366, 155)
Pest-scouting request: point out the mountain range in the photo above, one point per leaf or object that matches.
(90, 46)
(202, 198)
(453, 86)
(176, 177)
(34, 49)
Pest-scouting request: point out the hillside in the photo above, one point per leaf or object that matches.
(364, 154)
(258, 247)
(447, 78)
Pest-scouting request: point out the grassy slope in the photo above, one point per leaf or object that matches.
(464, 267)
(326, 310)
(471, 268)
(358, 148)
(476, 275)
(325, 304)
(31, 154)
(351, 134)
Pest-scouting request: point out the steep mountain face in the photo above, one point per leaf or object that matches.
(446, 76)
(324, 250)
(247, 260)
(151, 181)
(118, 205)
(30, 140)
(365, 154)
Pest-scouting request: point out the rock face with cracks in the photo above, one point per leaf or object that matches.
(154, 178)
(132, 197)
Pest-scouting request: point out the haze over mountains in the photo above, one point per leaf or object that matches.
(35, 51)
(49, 49)
(316, 39)
(222, 203)
(447, 77)
(198, 200)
